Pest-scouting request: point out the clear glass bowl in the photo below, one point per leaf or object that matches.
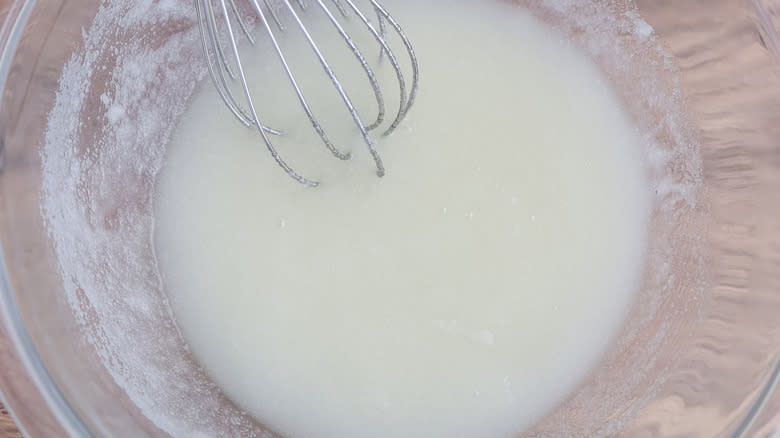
(704, 363)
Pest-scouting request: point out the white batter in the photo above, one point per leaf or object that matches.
(463, 295)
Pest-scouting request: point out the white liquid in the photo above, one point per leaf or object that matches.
(466, 293)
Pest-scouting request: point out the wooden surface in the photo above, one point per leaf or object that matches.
(7, 427)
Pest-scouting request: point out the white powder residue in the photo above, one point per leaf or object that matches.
(643, 29)
(118, 101)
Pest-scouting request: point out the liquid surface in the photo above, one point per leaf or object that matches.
(464, 294)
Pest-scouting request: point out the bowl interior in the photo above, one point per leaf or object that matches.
(697, 355)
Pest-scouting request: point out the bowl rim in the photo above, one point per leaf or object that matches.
(20, 340)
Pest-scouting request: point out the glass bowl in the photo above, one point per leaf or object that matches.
(698, 356)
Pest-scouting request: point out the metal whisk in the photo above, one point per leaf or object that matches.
(226, 69)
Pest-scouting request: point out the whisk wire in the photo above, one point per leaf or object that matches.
(380, 169)
(289, 170)
(341, 8)
(225, 66)
(274, 15)
(298, 92)
(366, 68)
(385, 48)
(223, 89)
(412, 56)
(206, 14)
(241, 22)
(382, 31)
(218, 44)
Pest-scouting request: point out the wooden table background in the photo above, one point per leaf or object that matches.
(7, 427)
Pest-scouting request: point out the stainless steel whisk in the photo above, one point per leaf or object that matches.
(226, 69)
